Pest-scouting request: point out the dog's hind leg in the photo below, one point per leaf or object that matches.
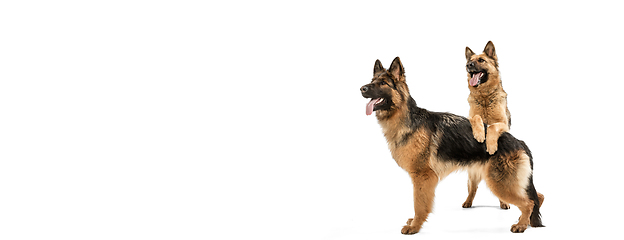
(474, 178)
(509, 177)
(494, 131)
(526, 207)
(425, 181)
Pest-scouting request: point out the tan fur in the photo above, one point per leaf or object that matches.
(474, 178)
(424, 181)
(508, 178)
(413, 157)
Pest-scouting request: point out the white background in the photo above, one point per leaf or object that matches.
(230, 120)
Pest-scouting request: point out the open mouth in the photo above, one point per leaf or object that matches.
(477, 78)
(370, 107)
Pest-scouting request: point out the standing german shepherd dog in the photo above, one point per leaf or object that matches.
(431, 145)
(488, 107)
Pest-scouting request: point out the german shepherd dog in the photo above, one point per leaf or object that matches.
(488, 107)
(431, 145)
(487, 99)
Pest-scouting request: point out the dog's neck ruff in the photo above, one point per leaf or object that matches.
(488, 92)
(404, 118)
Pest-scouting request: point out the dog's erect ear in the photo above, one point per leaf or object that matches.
(378, 67)
(469, 53)
(396, 68)
(489, 50)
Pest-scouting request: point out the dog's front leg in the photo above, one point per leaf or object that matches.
(494, 131)
(477, 128)
(425, 181)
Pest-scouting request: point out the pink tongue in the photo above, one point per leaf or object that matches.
(371, 105)
(475, 79)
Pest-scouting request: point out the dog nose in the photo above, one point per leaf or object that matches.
(364, 89)
(470, 64)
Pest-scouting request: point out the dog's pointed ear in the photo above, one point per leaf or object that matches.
(396, 68)
(469, 53)
(489, 50)
(378, 67)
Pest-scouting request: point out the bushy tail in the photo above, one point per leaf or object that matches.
(536, 217)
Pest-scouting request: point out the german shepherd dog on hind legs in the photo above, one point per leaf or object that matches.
(488, 107)
(487, 99)
(431, 145)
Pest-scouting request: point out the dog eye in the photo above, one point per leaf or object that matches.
(383, 83)
(481, 60)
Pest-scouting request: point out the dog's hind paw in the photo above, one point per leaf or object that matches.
(504, 205)
(409, 230)
(518, 228)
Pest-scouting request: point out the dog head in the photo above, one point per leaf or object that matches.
(481, 67)
(387, 90)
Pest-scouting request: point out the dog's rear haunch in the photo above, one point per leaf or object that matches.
(431, 145)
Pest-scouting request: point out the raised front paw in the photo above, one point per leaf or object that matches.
(409, 230)
(479, 135)
(492, 146)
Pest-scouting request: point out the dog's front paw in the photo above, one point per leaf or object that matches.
(409, 221)
(492, 146)
(479, 136)
(409, 230)
(518, 228)
(467, 204)
(478, 130)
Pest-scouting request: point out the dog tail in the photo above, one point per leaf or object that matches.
(536, 216)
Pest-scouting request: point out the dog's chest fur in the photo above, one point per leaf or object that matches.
(492, 108)
(409, 146)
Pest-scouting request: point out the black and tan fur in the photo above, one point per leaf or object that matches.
(488, 107)
(431, 145)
